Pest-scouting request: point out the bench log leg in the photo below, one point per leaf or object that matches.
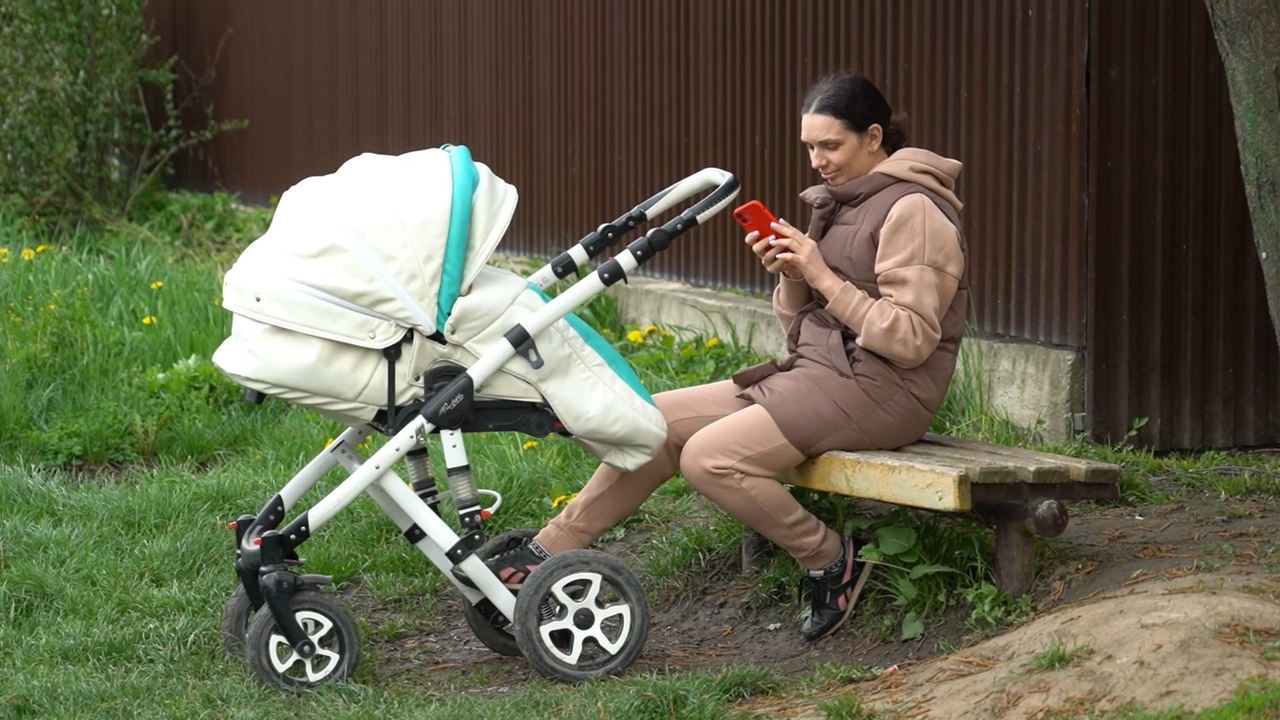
(1016, 526)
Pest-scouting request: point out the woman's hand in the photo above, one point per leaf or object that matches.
(765, 250)
(795, 254)
(768, 250)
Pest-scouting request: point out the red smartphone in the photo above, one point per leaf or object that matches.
(755, 216)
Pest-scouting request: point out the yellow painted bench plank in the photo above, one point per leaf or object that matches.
(891, 477)
(939, 472)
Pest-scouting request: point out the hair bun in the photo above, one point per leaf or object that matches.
(895, 136)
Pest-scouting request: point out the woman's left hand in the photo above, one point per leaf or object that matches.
(798, 254)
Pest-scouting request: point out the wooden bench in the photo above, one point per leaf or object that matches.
(1018, 492)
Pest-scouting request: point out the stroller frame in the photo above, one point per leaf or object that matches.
(266, 554)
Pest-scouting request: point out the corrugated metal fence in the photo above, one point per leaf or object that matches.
(591, 107)
(588, 107)
(1179, 331)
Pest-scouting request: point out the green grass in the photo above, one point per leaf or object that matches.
(123, 453)
(1057, 654)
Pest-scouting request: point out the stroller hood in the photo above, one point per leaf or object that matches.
(384, 244)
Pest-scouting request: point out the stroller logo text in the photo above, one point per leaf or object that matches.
(452, 403)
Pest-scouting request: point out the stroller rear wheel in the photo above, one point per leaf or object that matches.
(486, 621)
(582, 615)
(329, 626)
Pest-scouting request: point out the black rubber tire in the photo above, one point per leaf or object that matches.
(573, 601)
(486, 621)
(236, 616)
(329, 625)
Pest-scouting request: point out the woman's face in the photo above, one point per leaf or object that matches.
(838, 153)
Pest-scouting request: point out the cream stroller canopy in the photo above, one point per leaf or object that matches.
(372, 277)
(384, 244)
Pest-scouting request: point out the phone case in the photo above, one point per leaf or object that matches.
(753, 215)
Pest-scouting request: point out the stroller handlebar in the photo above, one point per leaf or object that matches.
(723, 186)
(703, 180)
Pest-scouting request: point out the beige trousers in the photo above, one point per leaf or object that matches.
(730, 451)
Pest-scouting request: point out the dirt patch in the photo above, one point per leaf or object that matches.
(1188, 641)
(1159, 605)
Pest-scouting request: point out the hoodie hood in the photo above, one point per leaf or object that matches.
(930, 170)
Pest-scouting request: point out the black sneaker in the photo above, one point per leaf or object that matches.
(835, 591)
(511, 566)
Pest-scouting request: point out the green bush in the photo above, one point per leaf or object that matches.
(76, 133)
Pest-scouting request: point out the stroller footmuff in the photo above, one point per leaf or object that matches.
(369, 300)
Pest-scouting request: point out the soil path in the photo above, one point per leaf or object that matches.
(1156, 605)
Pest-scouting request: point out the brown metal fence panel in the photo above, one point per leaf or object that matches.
(589, 107)
(1179, 331)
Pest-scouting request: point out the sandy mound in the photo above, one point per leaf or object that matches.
(1189, 641)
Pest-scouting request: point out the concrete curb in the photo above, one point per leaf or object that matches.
(1038, 387)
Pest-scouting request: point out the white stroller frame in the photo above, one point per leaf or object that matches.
(304, 630)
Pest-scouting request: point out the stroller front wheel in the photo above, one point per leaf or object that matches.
(329, 626)
(580, 616)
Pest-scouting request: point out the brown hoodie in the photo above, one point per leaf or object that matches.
(870, 366)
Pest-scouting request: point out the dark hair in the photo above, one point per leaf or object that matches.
(856, 102)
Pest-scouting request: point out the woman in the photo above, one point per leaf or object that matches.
(873, 300)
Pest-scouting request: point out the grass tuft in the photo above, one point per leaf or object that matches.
(1057, 654)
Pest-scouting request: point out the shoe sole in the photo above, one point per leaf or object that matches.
(853, 600)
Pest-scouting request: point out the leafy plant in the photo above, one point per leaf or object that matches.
(993, 609)
(86, 122)
(925, 561)
(898, 550)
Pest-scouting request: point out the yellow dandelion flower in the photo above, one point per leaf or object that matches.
(562, 499)
(149, 320)
(712, 342)
(328, 442)
(41, 248)
(529, 445)
(157, 284)
(4, 251)
(4, 260)
(635, 336)
(651, 330)
(28, 253)
(52, 306)
(666, 333)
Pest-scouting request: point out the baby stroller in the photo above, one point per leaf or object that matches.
(369, 300)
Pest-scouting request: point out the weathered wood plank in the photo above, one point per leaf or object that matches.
(1079, 470)
(1026, 471)
(993, 492)
(891, 477)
